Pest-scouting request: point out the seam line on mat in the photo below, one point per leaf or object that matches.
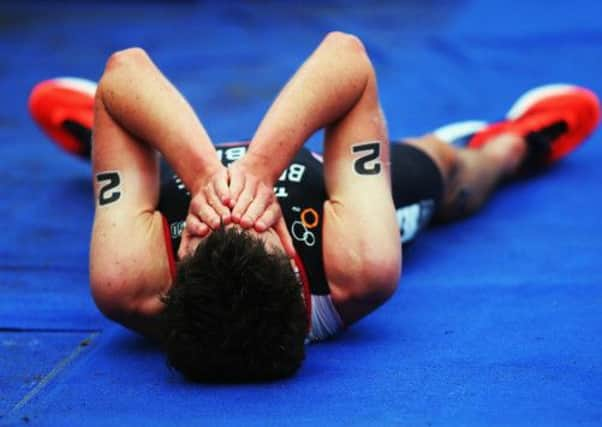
(48, 330)
(51, 375)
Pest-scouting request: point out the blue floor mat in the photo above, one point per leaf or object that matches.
(498, 318)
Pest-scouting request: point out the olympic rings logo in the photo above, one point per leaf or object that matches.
(300, 229)
(309, 218)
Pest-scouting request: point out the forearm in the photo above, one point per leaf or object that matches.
(322, 91)
(144, 102)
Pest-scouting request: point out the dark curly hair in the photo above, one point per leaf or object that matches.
(235, 312)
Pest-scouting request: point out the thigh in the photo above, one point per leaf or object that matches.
(417, 186)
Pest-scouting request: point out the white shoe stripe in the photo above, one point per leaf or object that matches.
(77, 84)
(531, 97)
(455, 131)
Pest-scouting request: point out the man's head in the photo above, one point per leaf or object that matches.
(235, 312)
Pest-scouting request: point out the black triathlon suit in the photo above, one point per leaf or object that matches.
(417, 188)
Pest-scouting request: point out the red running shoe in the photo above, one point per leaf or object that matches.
(554, 119)
(64, 110)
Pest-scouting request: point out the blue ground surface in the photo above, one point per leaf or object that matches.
(498, 320)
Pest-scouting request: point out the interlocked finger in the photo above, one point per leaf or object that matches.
(236, 185)
(183, 249)
(263, 198)
(195, 227)
(193, 230)
(221, 187)
(200, 207)
(214, 201)
(268, 218)
(244, 200)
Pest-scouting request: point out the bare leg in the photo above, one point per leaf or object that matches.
(470, 176)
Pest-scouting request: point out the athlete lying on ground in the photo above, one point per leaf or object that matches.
(241, 252)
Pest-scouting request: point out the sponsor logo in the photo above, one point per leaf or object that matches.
(413, 218)
(301, 229)
(176, 229)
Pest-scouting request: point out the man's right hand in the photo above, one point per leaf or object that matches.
(254, 204)
(207, 211)
(251, 198)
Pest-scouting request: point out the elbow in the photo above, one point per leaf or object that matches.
(123, 66)
(381, 279)
(110, 296)
(122, 69)
(126, 58)
(344, 42)
(375, 280)
(349, 49)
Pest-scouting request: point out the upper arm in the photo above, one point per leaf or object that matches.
(129, 268)
(362, 250)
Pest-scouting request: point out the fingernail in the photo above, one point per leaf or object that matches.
(260, 225)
